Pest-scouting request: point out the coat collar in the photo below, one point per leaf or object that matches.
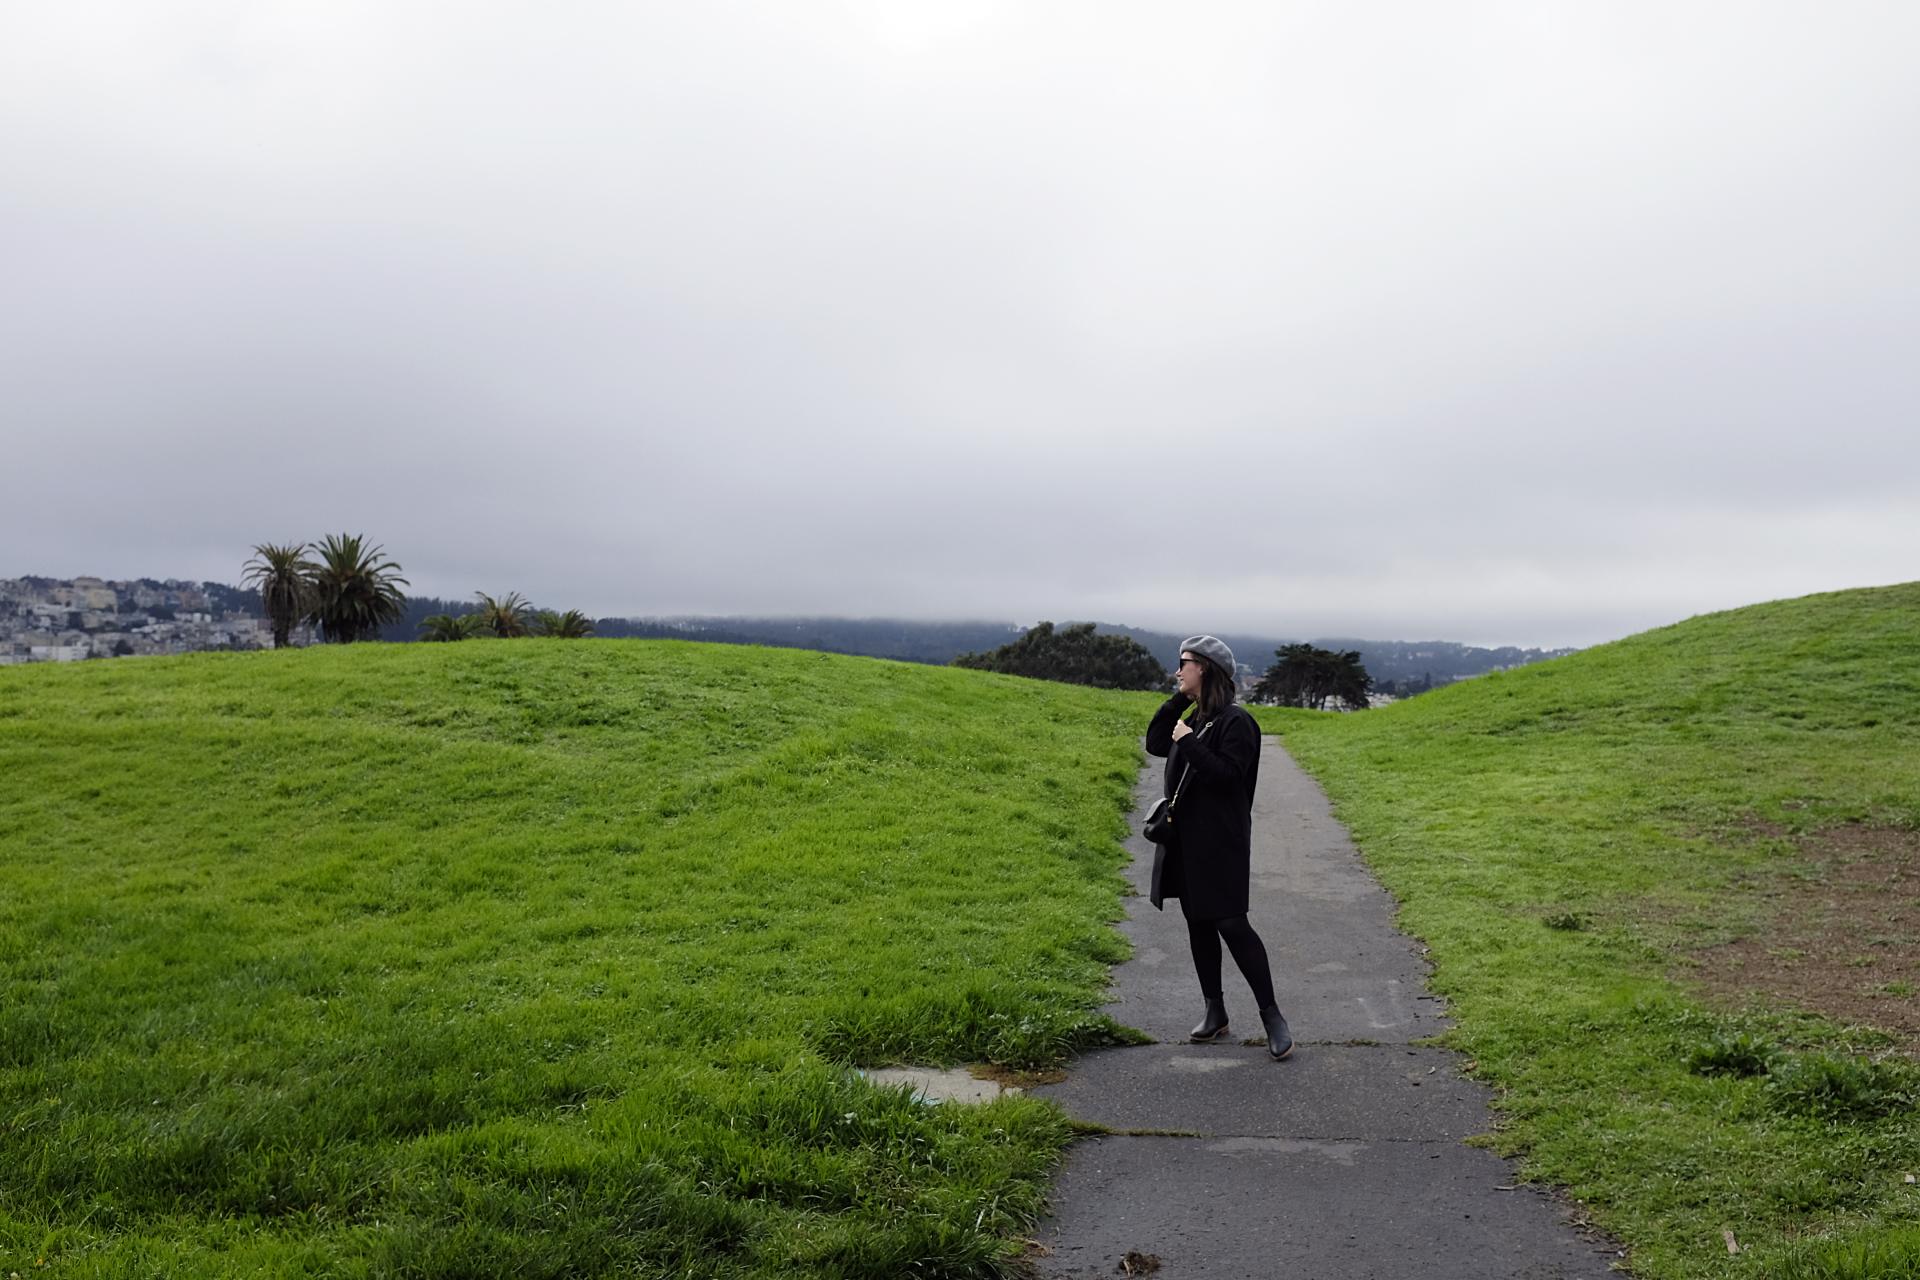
(1199, 722)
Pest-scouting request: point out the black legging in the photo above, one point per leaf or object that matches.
(1248, 952)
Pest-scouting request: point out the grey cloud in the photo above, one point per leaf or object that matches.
(1523, 323)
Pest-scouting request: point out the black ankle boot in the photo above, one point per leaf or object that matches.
(1213, 1026)
(1279, 1039)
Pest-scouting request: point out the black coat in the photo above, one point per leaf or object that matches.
(1207, 864)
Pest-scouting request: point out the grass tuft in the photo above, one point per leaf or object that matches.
(1733, 1053)
(1830, 1087)
(1874, 1254)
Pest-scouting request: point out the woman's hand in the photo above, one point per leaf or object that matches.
(1181, 729)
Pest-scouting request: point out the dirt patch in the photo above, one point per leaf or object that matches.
(1841, 937)
(1008, 1078)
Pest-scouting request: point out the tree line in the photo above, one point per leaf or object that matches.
(1302, 675)
(508, 618)
(348, 589)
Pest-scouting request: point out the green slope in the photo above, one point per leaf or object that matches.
(1565, 837)
(538, 958)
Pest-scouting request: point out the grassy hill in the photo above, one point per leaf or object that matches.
(551, 958)
(1665, 883)
(538, 958)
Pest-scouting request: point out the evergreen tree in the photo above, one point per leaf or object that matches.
(1307, 676)
(1073, 655)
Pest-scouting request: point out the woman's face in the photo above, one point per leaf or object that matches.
(1191, 675)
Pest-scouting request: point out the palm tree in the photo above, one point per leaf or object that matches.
(571, 625)
(506, 617)
(448, 627)
(355, 591)
(283, 573)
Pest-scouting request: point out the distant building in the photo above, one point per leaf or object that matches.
(44, 620)
(58, 652)
(92, 593)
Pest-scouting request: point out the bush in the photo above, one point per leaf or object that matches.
(1073, 655)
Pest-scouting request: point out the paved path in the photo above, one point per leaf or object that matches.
(1345, 1160)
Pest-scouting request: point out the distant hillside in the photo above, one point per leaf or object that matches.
(1397, 666)
(1409, 665)
(1406, 664)
(937, 643)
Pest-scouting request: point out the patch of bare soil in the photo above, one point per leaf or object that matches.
(1008, 1078)
(1842, 940)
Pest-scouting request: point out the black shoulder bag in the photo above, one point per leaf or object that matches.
(1159, 829)
(1159, 824)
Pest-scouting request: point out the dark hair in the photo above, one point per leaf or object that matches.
(1216, 689)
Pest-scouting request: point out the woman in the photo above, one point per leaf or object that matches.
(1208, 861)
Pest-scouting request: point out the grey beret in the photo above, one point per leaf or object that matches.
(1214, 651)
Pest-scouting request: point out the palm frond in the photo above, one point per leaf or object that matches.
(508, 617)
(571, 625)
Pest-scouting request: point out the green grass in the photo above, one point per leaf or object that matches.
(1563, 835)
(1893, 1254)
(539, 958)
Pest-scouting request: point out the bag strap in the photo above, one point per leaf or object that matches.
(1180, 786)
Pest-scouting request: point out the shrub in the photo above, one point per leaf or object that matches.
(1073, 655)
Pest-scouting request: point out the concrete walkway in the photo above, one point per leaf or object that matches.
(1345, 1160)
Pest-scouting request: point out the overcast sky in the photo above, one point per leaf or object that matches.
(1516, 323)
